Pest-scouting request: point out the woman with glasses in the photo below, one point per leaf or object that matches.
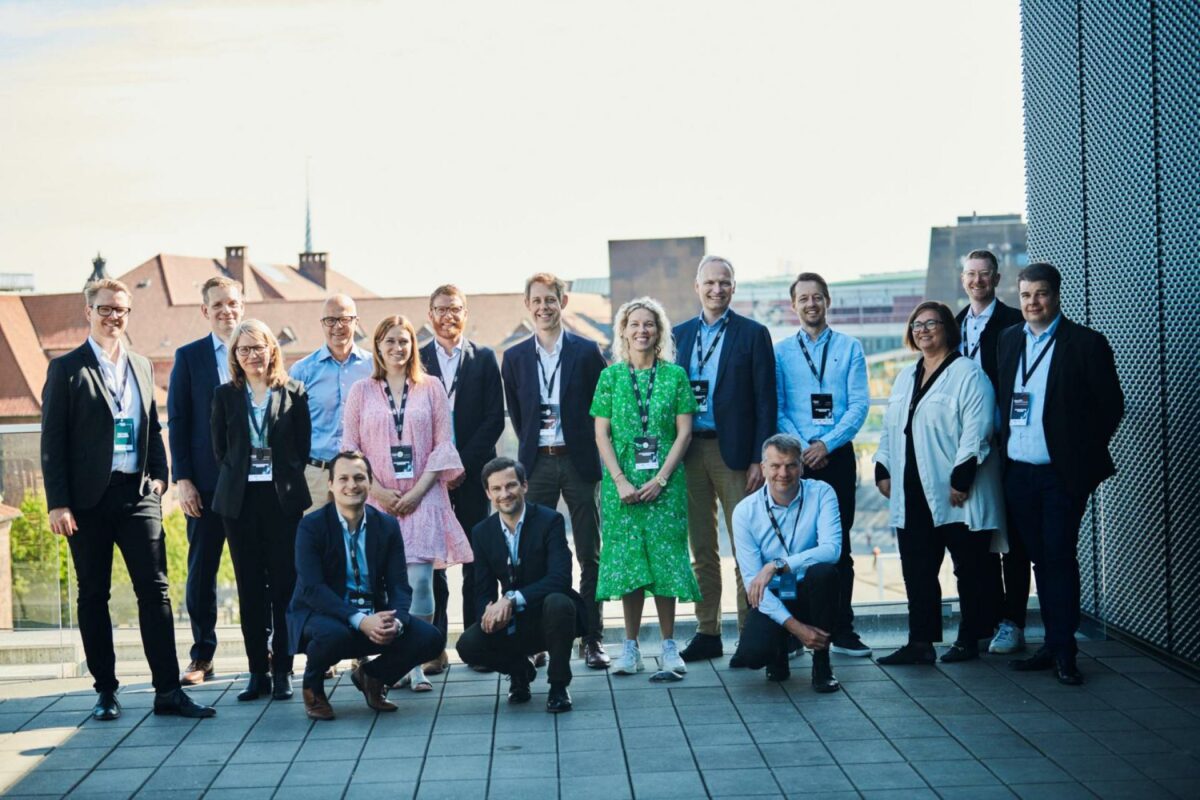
(942, 480)
(400, 418)
(260, 432)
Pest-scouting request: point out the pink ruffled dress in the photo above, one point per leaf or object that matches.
(431, 533)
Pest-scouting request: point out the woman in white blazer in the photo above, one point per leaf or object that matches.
(947, 493)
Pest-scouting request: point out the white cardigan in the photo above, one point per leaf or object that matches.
(953, 423)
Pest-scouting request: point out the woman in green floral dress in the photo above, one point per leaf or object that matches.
(643, 409)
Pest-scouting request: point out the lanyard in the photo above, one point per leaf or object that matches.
(967, 350)
(453, 383)
(775, 522)
(643, 410)
(702, 360)
(548, 385)
(117, 392)
(1026, 374)
(820, 376)
(260, 426)
(397, 413)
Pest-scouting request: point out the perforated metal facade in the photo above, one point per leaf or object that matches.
(1112, 137)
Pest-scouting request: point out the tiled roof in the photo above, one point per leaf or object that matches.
(22, 361)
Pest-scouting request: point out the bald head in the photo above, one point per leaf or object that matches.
(339, 317)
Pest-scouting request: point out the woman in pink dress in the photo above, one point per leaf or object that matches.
(400, 419)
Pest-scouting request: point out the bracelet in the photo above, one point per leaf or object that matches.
(661, 481)
(618, 476)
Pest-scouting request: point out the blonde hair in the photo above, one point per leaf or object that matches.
(276, 372)
(415, 372)
(546, 279)
(665, 347)
(220, 282)
(93, 288)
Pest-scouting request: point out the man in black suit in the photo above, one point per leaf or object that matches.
(522, 549)
(980, 325)
(200, 367)
(1060, 403)
(105, 470)
(471, 376)
(352, 594)
(731, 365)
(549, 381)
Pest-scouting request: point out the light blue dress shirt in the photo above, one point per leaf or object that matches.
(1027, 443)
(704, 420)
(513, 540)
(845, 379)
(258, 422)
(364, 584)
(973, 329)
(125, 401)
(222, 354)
(327, 383)
(813, 537)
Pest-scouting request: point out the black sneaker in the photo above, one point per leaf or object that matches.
(848, 644)
(701, 647)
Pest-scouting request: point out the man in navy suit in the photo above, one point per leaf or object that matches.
(352, 594)
(731, 366)
(200, 367)
(549, 380)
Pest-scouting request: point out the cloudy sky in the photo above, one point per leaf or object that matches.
(481, 141)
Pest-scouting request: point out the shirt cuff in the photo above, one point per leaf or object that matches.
(963, 476)
(519, 600)
(356, 618)
(881, 473)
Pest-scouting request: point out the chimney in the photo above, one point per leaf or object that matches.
(235, 263)
(314, 266)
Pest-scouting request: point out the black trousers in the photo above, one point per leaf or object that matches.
(262, 542)
(552, 628)
(764, 641)
(471, 507)
(133, 523)
(329, 640)
(206, 540)
(1047, 520)
(1007, 581)
(842, 474)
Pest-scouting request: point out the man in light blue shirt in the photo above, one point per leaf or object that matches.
(788, 539)
(327, 375)
(821, 380)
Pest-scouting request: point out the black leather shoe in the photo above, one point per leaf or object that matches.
(282, 686)
(1041, 660)
(1067, 672)
(178, 703)
(258, 686)
(823, 681)
(702, 646)
(107, 708)
(779, 671)
(910, 654)
(518, 688)
(559, 699)
(960, 652)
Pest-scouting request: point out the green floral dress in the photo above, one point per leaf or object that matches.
(645, 544)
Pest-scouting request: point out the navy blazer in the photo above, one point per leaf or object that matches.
(582, 363)
(544, 568)
(1003, 317)
(321, 570)
(744, 403)
(189, 407)
(478, 404)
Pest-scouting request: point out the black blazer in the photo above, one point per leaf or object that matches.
(744, 402)
(1003, 317)
(1084, 402)
(582, 363)
(321, 570)
(189, 411)
(77, 430)
(478, 405)
(544, 568)
(289, 433)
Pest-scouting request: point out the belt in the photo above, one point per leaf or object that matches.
(553, 450)
(121, 478)
(318, 463)
(704, 434)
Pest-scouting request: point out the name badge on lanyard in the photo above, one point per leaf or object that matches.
(123, 435)
(1022, 401)
(260, 457)
(260, 464)
(700, 392)
(402, 460)
(645, 447)
(822, 409)
(783, 586)
(548, 424)
(700, 388)
(821, 403)
(645, 452)
(402, 454)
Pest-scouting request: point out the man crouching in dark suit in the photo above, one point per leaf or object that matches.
(522, 549)
(352, 594)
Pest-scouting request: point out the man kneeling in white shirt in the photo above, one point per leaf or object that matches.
(788, 537)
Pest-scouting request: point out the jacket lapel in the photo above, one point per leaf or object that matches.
(686, 343)
(430, 357)
(336, 545)
(274, 410)
(726, 345)
(208, 363)
(1057, 360)
(93, 368)
(568, 363)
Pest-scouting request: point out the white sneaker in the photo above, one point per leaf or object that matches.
(630, 660)
(670, 657)
(1008, 639)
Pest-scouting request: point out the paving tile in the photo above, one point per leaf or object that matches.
(668, 785)
(122, 757)
(1168, 765)
(386, 770)
(397, 790)
(1066, 743)
(798, 731)
(996, 745)
(1182, 787)
(883, 776)
(453, 768)
(240, 793)
(618, 788)
(996, 792)
(524, 765)
(1051, 791)
(934, 748)
(740, 783)
(914, 727)
(846, 729)
(452, 790)
(736, 756)
(813, 779)
(659, 759)
(114, 781)
(187, 754)
(523, 788)
(316, 773)
(464, 723)
(265, 752)
(795, 754)
(592, 763)
(573, 742)
(1040, 722)
(959, 772)
(56, 782)
(331, 750)
(75, 758)
(1122, 743)
(169, 794)
(1030, 769)
(196, 777)
(250, 775)
(862, 751)
(725, 735)
(665, 736)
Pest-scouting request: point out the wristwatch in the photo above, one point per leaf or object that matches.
(780, 565)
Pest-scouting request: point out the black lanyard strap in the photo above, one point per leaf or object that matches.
(775, 522)
(967, 350)
(358, 582)
(261, 429)
(702, 360)
(820, 376)
(547, 385)
(1026, 374)
(643, 410)
(117, 392)
(453, 383)
(397, 413)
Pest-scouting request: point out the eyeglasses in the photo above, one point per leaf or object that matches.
(245, 350)
(441, 311)
(927, 325)
(983, 275)
(333, 322)
(120, 312)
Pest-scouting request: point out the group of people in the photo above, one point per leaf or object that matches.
(346, 486)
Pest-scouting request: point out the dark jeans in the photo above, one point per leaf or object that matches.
(262, 542)
(1047, 520)
(551, 628)
(763, 641)
(1007, 581)
(206, 540)
(842, 474)
(555, 475)
(124, 518)
(329, 640)
(471, 507)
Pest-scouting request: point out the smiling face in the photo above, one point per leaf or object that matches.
(223, 308)
(979, 280)
(782, 470)
(810, 304)
(337, 321)
(350, 484)
(448, 315)
(253, 355)
(641, 331)
(114, 304)
(929, 332)
(1039, 302)
(506, 491)
(545, 306)
(715, 287)
(395, 349)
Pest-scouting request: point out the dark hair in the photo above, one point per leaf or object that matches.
(499, 464)
(953, 334)
(1041, 271)
(813, 277)
(351, 455)
(983, 255)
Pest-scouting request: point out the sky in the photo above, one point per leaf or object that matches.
(479, 142)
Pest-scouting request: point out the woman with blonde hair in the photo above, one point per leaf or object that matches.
(261, 432)
(400, 419)
(643, 409)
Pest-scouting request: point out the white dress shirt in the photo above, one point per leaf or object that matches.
(972, 329)
(449, 365)
(549, 364)
(124, 401)
(513, 540)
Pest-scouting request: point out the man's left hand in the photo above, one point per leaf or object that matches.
(758, 586)
(754, 478)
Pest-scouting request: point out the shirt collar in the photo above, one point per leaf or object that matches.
(1048, 332)
(987, 312)
(441, 351)
(520, 522)
(362, 524)
(788, 507)
(356, 353)
(824, 337)
(218, 345)
(705, 326)
(102, 357)
(558, 344)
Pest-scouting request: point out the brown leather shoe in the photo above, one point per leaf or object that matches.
(317, 706)
(372, 689)
(197, 672)
(437, 666)
(539, 659)
(594, 655)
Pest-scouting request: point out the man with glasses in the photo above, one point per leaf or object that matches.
(327, 375)
(105, 470)
(200, 367)
(471, 377)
